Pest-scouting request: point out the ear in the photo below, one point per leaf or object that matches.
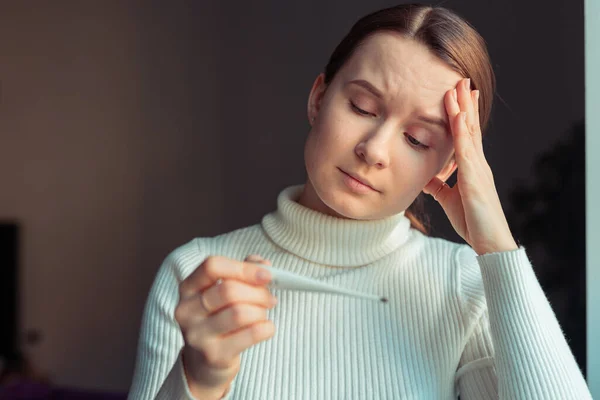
(316, 96)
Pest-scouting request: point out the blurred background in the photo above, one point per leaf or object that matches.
(128, 128)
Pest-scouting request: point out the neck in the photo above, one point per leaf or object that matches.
(331, 240)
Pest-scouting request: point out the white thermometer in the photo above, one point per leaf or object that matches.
(287, 280)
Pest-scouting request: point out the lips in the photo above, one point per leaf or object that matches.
(361, 180)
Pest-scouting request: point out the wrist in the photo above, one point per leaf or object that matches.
(201, 391)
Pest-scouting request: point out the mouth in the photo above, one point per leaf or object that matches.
(361, 181)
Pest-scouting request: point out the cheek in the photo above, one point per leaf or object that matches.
(413, 171)
(329, 138)
(318, 149)
(409, 173)
(310, 149)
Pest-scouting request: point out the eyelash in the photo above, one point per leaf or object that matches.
(414, 142)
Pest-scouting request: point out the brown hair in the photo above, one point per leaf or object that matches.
(448, 36)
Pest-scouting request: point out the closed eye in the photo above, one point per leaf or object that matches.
(360, 110)
(415, 143)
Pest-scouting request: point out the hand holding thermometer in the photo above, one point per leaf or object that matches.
(287, 280)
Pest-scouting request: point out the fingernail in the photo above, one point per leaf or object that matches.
(463, 115)
(454, 94)
(263, 275)
(477, 95)
(468, 83)
(273, 300)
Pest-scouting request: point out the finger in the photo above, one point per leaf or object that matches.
(451, 103)
(469, 104)
(199, 308)
(453, 110)
(441, 192)
(232, 319)
(232, 292)
(233, 344)
(464, 147)
(476, 129)
(236, 327)
(465, 100)
(475, 94)
(218, 267)
(190, 310)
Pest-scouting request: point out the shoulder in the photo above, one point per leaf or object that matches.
(456, 255)
(458, 263)
(183, 260)
(470, 283)
(444, 252)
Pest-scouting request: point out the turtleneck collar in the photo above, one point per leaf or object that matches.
(330, 240)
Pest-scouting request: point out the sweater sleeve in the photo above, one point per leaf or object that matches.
(516, 348)
(476, 376)
(159, 372)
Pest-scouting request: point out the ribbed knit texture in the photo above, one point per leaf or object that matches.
(455, 322)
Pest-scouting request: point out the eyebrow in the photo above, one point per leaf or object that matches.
(377, 93)
(433, 121)
(368, 86)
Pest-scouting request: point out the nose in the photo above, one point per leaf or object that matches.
(375, 149)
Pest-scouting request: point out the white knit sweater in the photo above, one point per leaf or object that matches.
(456, 323)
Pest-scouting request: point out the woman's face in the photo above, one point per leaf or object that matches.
(374, 121)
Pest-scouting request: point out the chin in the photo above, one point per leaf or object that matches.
(344, 205)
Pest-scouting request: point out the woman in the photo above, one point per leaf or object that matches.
(401, 106)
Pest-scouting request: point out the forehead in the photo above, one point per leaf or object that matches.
(395, 63)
